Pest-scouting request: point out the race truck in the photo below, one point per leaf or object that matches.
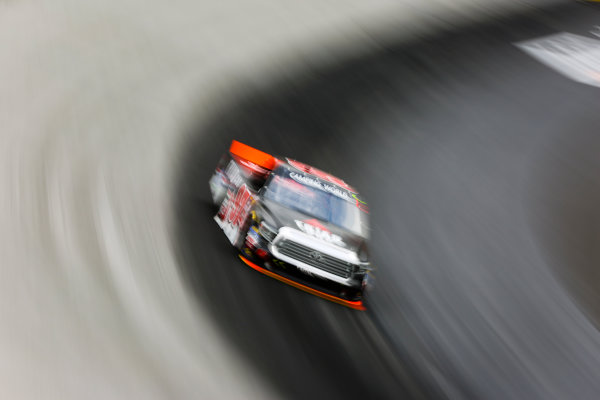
(294, 223)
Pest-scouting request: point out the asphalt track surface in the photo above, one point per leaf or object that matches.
(482, 173)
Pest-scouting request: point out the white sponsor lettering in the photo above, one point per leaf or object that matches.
(310, 181)
(320, 233)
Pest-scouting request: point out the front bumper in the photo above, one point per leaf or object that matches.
(328, 293)
(288, 235)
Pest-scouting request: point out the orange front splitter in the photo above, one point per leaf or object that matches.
(357, 305)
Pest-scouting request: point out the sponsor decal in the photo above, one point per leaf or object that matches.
(319, 173)
(234, 211)
(253, 238)
(361, 204)
(314, 228)
(314, 182)
(304, 270)
(234, 175)
(239, 207)
(257, 169)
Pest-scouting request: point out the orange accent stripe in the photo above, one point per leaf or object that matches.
(357, 305)
(253, 155)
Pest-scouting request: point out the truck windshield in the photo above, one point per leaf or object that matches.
(315, 202)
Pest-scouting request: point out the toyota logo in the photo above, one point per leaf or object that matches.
(315, 255)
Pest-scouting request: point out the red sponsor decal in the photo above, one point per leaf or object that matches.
(316, 224)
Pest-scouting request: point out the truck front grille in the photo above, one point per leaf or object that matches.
(314, 258)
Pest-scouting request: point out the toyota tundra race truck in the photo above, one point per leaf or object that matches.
(294, 223)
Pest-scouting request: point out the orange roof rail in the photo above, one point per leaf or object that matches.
(253, 155)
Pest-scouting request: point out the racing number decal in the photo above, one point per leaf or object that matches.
(233, 213)
(238, 208)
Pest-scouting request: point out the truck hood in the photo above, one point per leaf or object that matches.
(280, 216)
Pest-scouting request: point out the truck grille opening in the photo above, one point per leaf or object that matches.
(314, 258)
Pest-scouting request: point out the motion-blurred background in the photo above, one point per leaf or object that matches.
(476, 148)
